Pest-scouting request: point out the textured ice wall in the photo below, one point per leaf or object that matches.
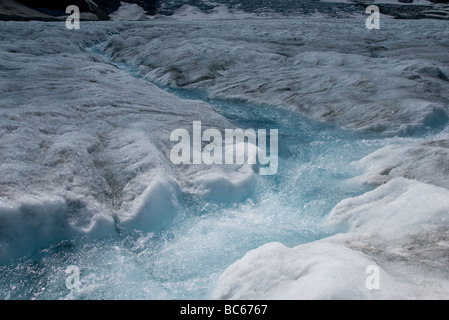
(401, 228)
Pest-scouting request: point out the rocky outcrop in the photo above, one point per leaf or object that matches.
(102, 9)
(51, 10)
(11, 10)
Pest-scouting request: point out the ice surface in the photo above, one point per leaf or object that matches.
(427, 162)
(394, 206)
(78, 129)
(320, 270)
(347, 74)
(86, 177)
(400, 227)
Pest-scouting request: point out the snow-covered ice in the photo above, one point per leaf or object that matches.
(394, 227)
(319, 270)
(425, 161)
(339, 72)
(86, 176)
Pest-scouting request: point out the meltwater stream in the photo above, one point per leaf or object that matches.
(185, 261)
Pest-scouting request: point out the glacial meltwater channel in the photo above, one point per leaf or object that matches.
(185, 261)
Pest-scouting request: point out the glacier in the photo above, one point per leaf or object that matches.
(359, 80)
(86, 177)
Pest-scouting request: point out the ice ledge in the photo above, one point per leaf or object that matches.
(400, 227)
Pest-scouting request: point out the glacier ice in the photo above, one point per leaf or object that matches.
(86, 176)
(394, 226)
(346, 75)
(425, 161)
(82, 131)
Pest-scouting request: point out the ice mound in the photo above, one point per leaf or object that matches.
(319, 270)
(406, 204)
(427, 162)
(154, 207)
(401, 227)
(224, 185)
(30, 222)
(145, 193)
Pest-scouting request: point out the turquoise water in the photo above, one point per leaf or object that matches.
(185, 261)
